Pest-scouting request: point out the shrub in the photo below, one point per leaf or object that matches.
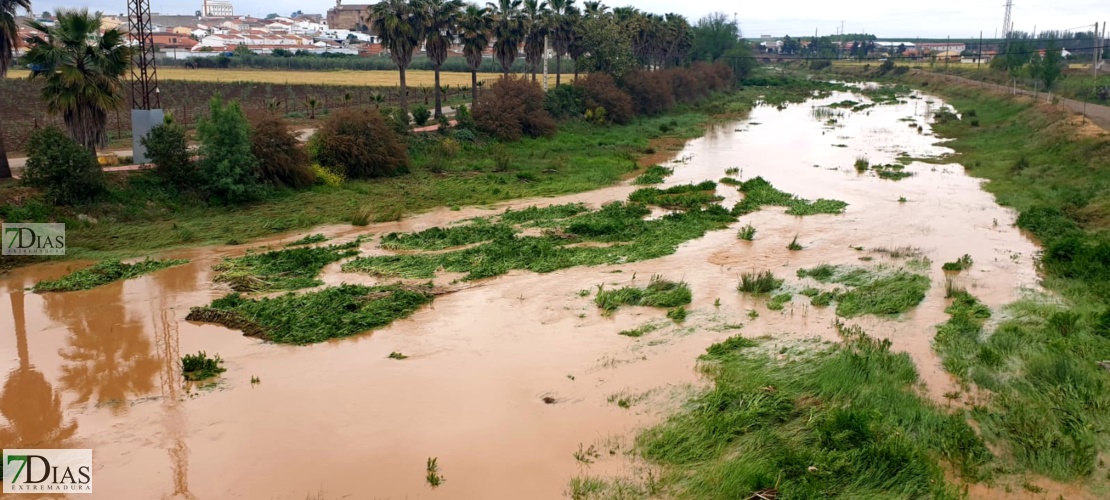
(513, 108)
(281, 160)
(167, 150)
(420, 115)
(398, 119)
(326, 176)
(65, 172)
(463, 118)
(360, 144)
(228, 170)
(565, 101)
(602, 92)
(651, 92)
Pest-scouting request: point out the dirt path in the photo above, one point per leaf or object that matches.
(1097, 113)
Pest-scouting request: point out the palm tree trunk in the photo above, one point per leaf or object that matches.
(576, 70)
(20, 328)
(439, 109)
(473, 88)
(404, 92)
(5, 168)
(558, 69)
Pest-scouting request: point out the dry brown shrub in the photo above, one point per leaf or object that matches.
(281, 159)
(513, 108)
(602, 91)
(361, 144)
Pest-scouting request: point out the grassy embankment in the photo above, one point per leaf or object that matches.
(847, 419)
(140, 217)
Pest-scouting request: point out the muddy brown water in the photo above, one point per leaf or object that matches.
(98, 369)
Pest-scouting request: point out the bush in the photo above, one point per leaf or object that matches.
(398, 120)
(167, 150)
(281, 160)
(66, 173)
(420, 115)
(228, 170)
(359, 144)
(565, 101)
(326, 176)
(513, 108)
(463, 119)
(601, 91)
(651, 92)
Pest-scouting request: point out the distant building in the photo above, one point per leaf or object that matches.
(217, 8)
(347, 17)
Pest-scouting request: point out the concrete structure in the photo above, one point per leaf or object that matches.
(348, 17)
(217, 8)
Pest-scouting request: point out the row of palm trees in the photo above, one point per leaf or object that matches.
(511, 25)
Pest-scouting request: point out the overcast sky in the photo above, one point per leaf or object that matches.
(936, 18)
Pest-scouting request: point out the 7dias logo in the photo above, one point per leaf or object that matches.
(48, 471)
(33, 239)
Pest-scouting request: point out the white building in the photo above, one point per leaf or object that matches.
(217, 8)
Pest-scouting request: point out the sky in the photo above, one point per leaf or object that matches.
(931, 19)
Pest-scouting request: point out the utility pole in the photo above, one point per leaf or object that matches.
(979, 60)
(947, 49)
(1098, 45)
(546, 49)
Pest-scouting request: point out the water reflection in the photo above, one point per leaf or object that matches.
(30, 405)
(108, 356)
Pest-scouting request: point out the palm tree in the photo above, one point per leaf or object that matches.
(400, 26)
(536, 19)
(312, 105)
(595, 9)
(9, 37)
(442, 24)
(82, 69)
(508, 30)
(475, 31)
(563, 17)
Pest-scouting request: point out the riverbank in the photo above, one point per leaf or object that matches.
(1026, 415)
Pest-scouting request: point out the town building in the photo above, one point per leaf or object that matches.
(347, 17)
(217, 8)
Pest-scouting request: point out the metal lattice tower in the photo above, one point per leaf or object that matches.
(144, 75)
(1006, 21)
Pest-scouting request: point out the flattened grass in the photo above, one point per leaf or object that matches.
(817, 421)
(658, 293)
(335, 312)
(437, 238)
(286, 269)
(620, 226)
(1049, 394)
(102, 273)
(653, 175)
(684, 197)
(871, 290)
(758, 193)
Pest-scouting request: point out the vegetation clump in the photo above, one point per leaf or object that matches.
(199, 366)
(639, 331)
(336, 312)
(168, 150)
(66, 173)
(758, 192)
(228, 171)
(286, 269)
(778, 302)
(513, 108)
(437, 238)
(746, 233)
(102, 273)
(684, 197)
(761, 283)
(282, 162)
(959, 264)
(309, 240)
(814, 421)
(659, 292)
(653, 175)
(888, 294)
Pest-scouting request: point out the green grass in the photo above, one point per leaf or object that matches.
(336, 312)
(815, 421)
(794, 246)
(779, 301)
(1050, 396)
(746, 233)
(758, 193)
(761, 283)
(890, 294)
(287, 269)
(102, 273)
(862, 164)
(658, 293)
(437, 238)
(959, 264)
(682, 197)
(432, 476)
(199, 366)
(308, 240)
(397, 355)
(844, 275)
(639, 331)
(653, 175)
(621, 227)
(678, 314)
(891, 171)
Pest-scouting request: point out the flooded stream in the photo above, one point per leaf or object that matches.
(98, 369)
